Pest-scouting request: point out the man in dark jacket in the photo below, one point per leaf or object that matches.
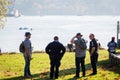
(55, 50)
(93, 50)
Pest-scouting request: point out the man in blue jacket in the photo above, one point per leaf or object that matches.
(55, 50)
(112, 45)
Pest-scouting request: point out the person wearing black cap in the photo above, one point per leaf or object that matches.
(55, 50)
(80, 53)
(112, 45)
(27, 55)
(93, 50)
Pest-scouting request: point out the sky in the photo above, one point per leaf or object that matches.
(68, 7)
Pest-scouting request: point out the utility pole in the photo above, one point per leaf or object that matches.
(117, 30)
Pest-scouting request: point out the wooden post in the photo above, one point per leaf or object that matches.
(117, 30)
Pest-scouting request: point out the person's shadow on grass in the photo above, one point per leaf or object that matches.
(63, 73)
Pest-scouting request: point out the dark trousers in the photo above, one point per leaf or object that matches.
(55, 64)
(27, 67)
(94, 59)
(79, 61)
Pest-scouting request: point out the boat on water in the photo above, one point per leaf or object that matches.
(11, 10)
(17, 13)
(25, 28)
(14, 13)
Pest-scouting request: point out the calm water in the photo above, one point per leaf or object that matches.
(45, 27)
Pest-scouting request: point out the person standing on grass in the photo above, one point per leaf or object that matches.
(55, 50)
(27, 55)
(0, 51)
(93, 50)
(80, 53)
(112, 45)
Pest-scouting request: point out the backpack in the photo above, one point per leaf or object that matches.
(83, 45)
(22, 47)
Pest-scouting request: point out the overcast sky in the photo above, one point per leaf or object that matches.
(68, 7)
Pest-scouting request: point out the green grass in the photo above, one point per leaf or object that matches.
(12, 66)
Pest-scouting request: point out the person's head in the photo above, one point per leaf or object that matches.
(91, 36)
(56, 38)
(113, 38)
(28, 35)
(78, 35)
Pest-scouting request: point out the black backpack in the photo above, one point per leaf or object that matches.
(22, 47)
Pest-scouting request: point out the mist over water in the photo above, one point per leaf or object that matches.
(44, 28)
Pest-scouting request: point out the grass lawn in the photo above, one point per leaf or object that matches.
(12, 66)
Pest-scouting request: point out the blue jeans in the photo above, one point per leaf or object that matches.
(78, 61)
(27, 67)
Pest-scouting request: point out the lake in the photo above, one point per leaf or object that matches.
(44, 28)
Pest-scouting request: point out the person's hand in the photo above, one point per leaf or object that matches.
(91, 54)
(74, 36)
(30, 58)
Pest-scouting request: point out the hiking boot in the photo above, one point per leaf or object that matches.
(56, 77)
(27, 76)
(51, 77)
(93, 74)
(76, 76)
(83, 74)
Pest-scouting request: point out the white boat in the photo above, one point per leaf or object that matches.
(11, 11)
(14, 13)
(23, 28)
(17, 13)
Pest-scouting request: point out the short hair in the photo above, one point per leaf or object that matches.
(92, 35)
(27, 33)
(56, 38)
(113, 38)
